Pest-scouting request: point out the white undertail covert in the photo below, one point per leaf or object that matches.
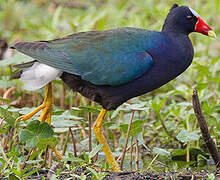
(38, 75)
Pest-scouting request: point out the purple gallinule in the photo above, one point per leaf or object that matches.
(112, 66)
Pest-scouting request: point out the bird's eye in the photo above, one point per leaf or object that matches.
(189, 17)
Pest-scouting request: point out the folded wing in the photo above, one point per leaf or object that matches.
(112, 57)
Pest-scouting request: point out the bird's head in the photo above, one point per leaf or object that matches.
(185, 20)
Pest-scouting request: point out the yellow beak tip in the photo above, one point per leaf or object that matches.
(211, 33)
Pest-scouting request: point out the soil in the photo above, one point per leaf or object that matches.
(203, 175)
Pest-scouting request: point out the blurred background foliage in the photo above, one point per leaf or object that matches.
(160, 117)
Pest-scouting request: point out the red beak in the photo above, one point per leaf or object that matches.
(203, 28)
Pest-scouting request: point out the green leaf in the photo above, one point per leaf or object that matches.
(211, 177)
(108, 124)
(157, 106)
(170, 125)
(215, 79)
(116, 112)
(82, 177)
(136, 107)
(124, 127)
(5, 100)
(185, 104)
(69, 115)
(56, 16)
(35, 132)
(4, 128)
(179, 152)
(92, 109)
(95, 150)
(201, 86)
(203, 69)
(50, 142)
(75, 159)
(196, 151)
(13, 177)
(97, 175)
(187, 136)
(136, 127)
(64, 123)
(17, 173)
(30, 172)
(93, 172)
(4, 113)
(161, 151)
(29, 138)
(141, 141)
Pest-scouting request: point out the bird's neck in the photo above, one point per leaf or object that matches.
(173, 28)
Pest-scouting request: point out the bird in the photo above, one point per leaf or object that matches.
(112, 66)
(5, 51)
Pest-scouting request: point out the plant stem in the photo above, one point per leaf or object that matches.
(126, 150)
(74, 142)
(126, 141)
(152, 161)
(65, 143)
(90, 131)
(82, 131)
(136, 155)
(45, 157)
(165, 128)
(187, 152)
(204, 129)
(188, 143)
(27, 157)
(62, 96)
(131, 152)
(50, 158)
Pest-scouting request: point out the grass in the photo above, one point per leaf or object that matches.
(161, 118)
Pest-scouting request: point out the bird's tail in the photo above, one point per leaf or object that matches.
(35, 75)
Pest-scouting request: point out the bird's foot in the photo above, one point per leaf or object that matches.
(29, 115)
(47, 111)
(47, 107)
(58, 155)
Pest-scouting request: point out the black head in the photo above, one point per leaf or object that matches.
(3, 44)
(174, 6)
(182, 19)
(3, 48)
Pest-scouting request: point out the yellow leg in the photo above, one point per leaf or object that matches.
(47, 111)
(29, 115)
(97, 128)
(47, 107)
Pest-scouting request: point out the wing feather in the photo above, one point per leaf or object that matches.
(112, 57)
